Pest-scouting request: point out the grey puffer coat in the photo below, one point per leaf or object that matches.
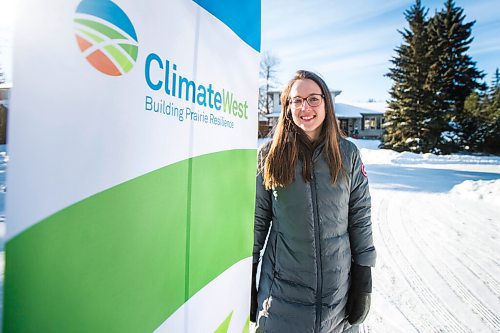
(317, 229)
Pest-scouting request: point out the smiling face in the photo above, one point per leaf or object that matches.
(309, 118)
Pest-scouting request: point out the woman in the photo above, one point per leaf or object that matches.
(312, 193)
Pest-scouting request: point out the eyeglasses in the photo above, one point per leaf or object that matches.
(313, 100)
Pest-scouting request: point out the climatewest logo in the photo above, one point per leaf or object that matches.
(106, 36)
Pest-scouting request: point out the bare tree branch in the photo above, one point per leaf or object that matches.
(268, 69)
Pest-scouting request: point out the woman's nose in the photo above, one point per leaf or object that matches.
(305, 105)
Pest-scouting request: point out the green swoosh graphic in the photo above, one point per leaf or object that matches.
(225, 325)
(124, 63)
(130, 49)
(92, 36)
(116, 261)
(103, 29)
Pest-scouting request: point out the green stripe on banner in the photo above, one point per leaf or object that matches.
(222, 212)
(104, 29)
(130, 49)
(188, 229)
(116, 262)
(122, 60)
(95, 38)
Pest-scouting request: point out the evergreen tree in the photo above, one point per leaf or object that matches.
(495, 84)
(408, 103)
(453, 76)
(492, 136)
(476, 121)
(482, 119)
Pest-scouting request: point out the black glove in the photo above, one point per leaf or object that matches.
(253, 295)
(358, 302)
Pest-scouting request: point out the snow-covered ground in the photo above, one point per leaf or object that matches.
(436, 224)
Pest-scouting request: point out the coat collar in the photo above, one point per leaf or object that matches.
(318, 150)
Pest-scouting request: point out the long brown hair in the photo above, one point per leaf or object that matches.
(291, 143)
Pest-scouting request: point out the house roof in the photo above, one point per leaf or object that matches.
(372, 107)
(332, 91)
(353, 111)
(273, 115)
(6, 85)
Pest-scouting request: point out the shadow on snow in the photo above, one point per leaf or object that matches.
(392, 177)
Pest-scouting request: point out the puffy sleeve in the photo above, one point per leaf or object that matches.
(360, 226)
(263, 211)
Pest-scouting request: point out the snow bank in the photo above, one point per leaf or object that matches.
(411, 158)
(386, 156)
(485, 190)
(371, 154)
(365, 144)
(378, 156)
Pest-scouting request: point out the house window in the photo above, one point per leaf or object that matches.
(371, 123)
(344, 125)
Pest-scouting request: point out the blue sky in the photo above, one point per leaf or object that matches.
(351, 42)
(6, 35)
(348, 42)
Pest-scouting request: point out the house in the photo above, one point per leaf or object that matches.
(360, 120)
(264, 127)
(4, 105)
(5, 93)
(273, 115)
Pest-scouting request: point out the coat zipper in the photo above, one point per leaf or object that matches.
(319, 281)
